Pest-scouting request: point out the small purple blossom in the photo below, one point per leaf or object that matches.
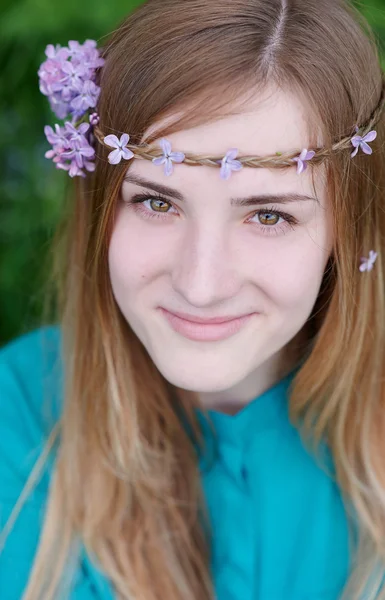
(229, 164)
(88, 94)
(58, 138)
(72, 73)
(121, 151)
(367, 263)
(50, 74)
(67, 77)
(57, 51)
(71, 150)
(302, 158)
(168, 157)
(87, 53)
(361, 142)
(59, 108)
(94, 119)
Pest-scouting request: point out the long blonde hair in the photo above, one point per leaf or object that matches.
(126, 482)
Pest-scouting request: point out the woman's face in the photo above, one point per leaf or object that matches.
(206, 257)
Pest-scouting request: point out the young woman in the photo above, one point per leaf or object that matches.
(145, 453)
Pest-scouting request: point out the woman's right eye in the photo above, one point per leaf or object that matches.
(137, 202)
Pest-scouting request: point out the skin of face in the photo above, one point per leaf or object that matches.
(208, 258)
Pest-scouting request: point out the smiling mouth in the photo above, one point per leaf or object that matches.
(206, 331)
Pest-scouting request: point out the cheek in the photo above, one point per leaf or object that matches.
(133, 258)
(121, 261)
(297, 280)
(291, 277)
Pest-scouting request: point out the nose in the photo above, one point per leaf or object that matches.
(205, 270)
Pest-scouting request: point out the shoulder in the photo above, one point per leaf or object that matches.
(30, 400)
(30, 377)
(27, 350)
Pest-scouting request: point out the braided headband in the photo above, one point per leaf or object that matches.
(67, 78)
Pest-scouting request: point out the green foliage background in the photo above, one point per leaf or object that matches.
(31, 189)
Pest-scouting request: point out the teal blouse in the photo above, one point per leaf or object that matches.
(278, 522)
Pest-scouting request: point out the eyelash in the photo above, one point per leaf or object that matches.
(137, 201)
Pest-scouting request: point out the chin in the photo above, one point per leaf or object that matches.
(196, 379)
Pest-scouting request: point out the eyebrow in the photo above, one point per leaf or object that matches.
(249, 201)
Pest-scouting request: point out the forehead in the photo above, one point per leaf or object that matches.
(272, 121)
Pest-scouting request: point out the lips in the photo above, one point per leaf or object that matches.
(211, 321)
(205, 332)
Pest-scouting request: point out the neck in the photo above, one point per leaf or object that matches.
(234, 399)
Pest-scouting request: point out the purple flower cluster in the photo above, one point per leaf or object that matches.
(67, 78)
(71, 150)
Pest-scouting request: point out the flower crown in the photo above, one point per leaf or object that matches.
(67, 78)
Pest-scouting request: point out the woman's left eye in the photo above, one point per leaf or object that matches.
(272, 219)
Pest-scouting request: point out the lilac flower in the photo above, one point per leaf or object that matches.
(59, 107)
(94, 119)
(76, 134)
(72, 74)
(361, 142)
(57, 51)
(75, 49)
(88, 94)
(302, 158)
(74, 170)
(58, 138)
(71, 150)
(50, 74)
(168, 157)
(367, 264)
(228, 163)
(79, 153)
(87, 54)
(55, 155)
(67, 77)
(121, 151)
